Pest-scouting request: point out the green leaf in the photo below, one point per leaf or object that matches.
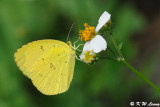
(120, 45)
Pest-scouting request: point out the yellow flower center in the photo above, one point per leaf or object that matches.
(88, 33)
(89, 56)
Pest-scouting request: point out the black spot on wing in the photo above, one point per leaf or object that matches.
(42, 48)
(52, 66)
(42, 59)
(40, 75)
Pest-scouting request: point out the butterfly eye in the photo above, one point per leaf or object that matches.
(69, 43)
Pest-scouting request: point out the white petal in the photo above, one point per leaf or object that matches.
(82, 57)
(104, 18)
(97, 44)
(87, 46)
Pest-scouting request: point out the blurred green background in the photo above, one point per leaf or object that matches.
(105, 84)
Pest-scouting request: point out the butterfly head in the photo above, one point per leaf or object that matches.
(69, 43)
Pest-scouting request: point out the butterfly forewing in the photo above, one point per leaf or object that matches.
(48, 63)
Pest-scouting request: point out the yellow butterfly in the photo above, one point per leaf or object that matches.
(48, 63)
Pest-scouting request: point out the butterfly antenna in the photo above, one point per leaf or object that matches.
(68, 39)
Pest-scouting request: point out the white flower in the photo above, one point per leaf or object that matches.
(88, 56)
(98, 43)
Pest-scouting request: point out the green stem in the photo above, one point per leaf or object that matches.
(132, 68)
(141, 76)
(107, 58)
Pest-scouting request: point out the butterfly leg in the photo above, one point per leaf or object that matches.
(77, 58)
(79, 46)
(79, 50)
(75, 42)
(76, 48)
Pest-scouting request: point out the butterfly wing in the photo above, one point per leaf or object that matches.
(48, 63)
